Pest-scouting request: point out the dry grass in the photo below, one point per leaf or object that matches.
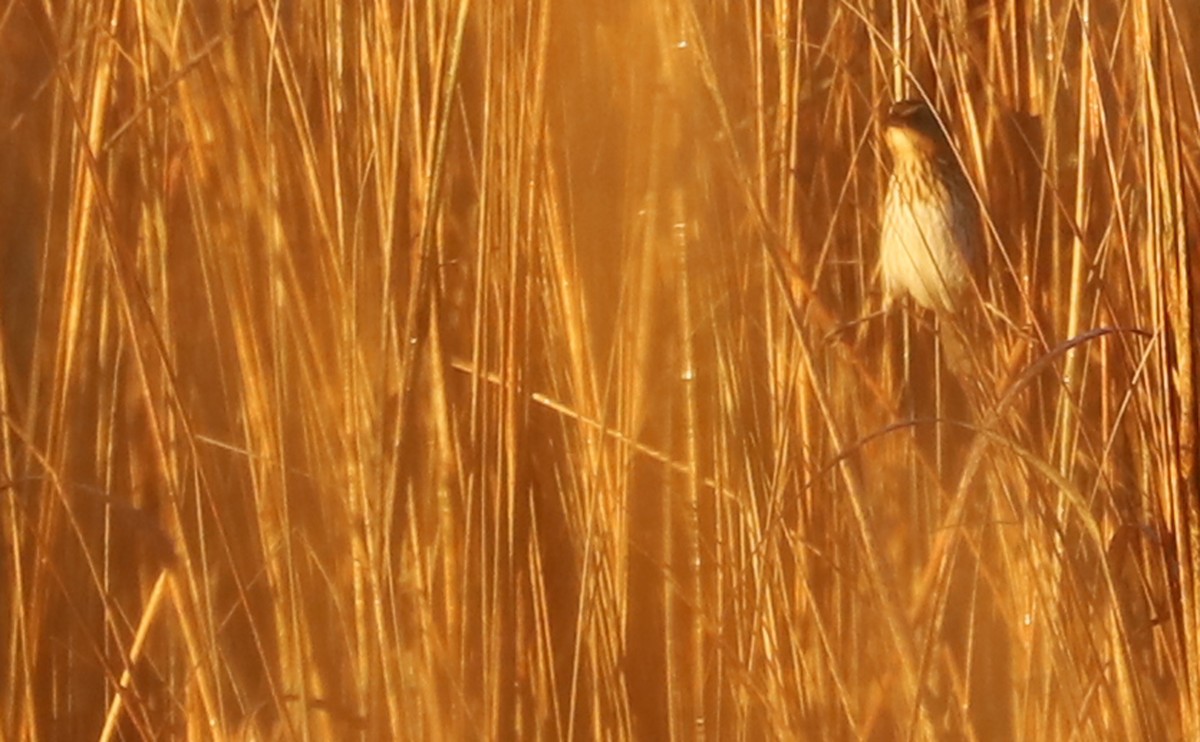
(491, 370)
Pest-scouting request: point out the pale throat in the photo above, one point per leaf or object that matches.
(906, 143)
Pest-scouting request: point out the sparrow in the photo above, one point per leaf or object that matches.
(931, 243)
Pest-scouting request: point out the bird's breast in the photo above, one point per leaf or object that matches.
(928, 239)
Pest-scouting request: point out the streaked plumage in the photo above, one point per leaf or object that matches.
(931, 241)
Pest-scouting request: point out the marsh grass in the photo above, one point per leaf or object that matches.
(457, 370)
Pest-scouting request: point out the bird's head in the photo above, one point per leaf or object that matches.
(913, 129)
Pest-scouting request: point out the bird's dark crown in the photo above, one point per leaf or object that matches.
(918, 121)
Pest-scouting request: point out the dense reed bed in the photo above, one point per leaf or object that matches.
(495, 370)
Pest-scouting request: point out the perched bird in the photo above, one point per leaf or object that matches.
(931, 242)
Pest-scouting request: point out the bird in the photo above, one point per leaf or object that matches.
(931, 241)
